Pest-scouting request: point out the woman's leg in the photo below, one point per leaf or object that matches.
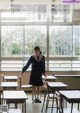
(38, 92)
(35, 91)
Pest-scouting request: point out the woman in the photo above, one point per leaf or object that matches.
(38, 68)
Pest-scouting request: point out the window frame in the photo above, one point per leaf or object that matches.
(47, 24)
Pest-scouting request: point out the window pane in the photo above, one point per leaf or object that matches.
(59, 65)
(76, 65)
(11, 48)
(60, 41)
(35, 36)
(11, 65)
(61, 13)
(29, 13)
(11, 41)
(76, 40)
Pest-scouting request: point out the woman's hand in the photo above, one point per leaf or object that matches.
(21, 74)
(45, 75)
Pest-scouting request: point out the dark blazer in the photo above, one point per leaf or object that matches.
(37, 69)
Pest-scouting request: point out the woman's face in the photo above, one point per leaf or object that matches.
(37, 52)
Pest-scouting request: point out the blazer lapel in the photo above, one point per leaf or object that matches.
(35, 58)
(40, 58)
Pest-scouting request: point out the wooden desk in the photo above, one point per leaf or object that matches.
(16, 97)
(56, 86)
(9, 85)
(72, 96)
(49, 78)
(10, 78)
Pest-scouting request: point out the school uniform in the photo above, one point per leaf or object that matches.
(38, 68)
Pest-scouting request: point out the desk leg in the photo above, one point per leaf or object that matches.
(22, 107)
(61, 104)
(78, 106)
(71, 107)
(25, 106)
(16, 105)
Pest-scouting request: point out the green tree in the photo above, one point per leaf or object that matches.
(15, 48)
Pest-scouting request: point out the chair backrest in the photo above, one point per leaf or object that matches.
(20, 81)
(47, 90)
(2, 77)
(45, 85)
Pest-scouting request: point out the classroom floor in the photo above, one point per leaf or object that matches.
(36, 108)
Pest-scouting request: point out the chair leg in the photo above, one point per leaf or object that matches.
(71, 107)
(52, 105)
(66, 103)
(40, 92)
(43, 101)
(57, 104)
(47, 103)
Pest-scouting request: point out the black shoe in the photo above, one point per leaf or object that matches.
(38, 100)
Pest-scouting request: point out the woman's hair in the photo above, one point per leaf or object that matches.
(40, 52)
(37, 48)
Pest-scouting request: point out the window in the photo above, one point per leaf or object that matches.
(60, 65)
(17, 43)
(11, 41)
(35, 36)
(61, 13)
(60, 45)
(76, 40)
(28, 13)
(60, 41)
(50, 27)
(11, 48)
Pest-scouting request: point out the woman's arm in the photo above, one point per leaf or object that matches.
(27, 65)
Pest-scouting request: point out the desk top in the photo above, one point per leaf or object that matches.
(26, 86)
(14, 95)
(14, 111)
(9, 84)
(56, 84)
(71, 94)
(67, 75)
(10, 77)
(50, 77)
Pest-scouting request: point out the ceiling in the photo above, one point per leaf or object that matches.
(7, 2)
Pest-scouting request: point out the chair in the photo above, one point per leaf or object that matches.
(45, 94)
(2, 76)
(49, 96)
(25, 87)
